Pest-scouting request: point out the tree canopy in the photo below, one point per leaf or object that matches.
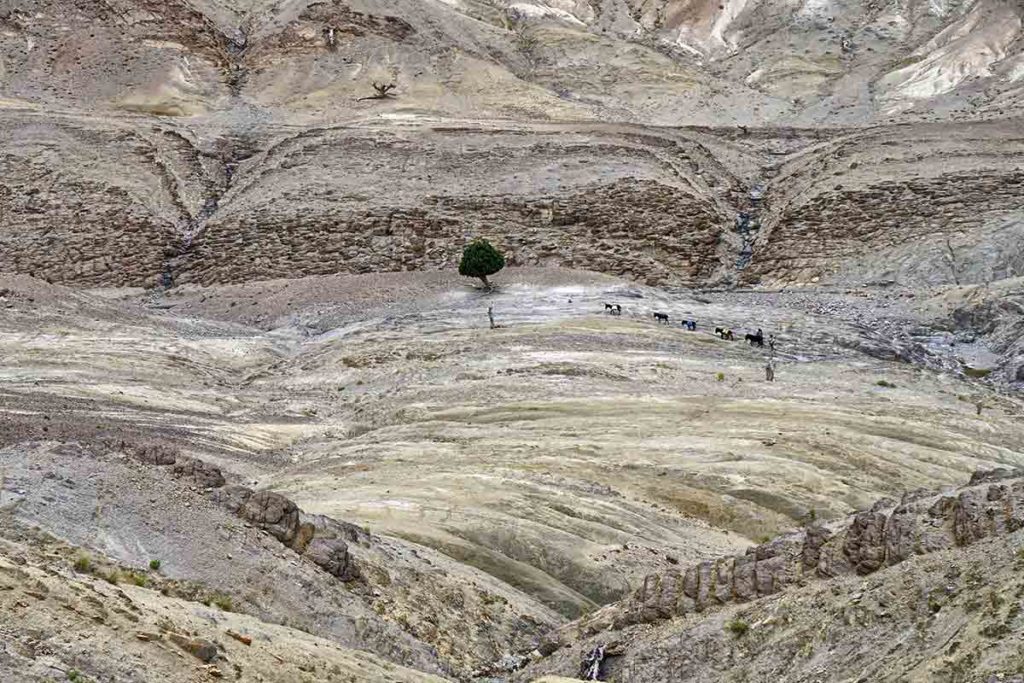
(480, 259)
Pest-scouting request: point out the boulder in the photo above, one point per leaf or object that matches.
(331, 554)
(202, 473)
(232, 497)
(200, 648)
(273, 513)
(865, 542)
(155, 454)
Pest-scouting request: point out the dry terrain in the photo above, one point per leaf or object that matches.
(254, 427)
(488, 484)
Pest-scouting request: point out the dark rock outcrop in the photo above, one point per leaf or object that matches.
(155, 454)
(887, 534)
(273, 513)
(332, 555)
(202, 473)
(322, 540)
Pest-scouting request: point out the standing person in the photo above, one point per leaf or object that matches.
(490, 315)
(769, 370)
(771, 344)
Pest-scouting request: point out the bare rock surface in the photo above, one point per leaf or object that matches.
(887, 534)
(125, 631)
(239, 374)
(400, 478)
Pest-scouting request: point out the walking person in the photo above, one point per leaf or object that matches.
(490, 315)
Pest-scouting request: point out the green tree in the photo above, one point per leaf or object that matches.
(480, 259)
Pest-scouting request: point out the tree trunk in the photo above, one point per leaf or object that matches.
(487, 285)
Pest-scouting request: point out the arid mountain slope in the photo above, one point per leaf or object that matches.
(926, 590)
(664, 62)
(497, 483)
(151, 143)
(232, 338)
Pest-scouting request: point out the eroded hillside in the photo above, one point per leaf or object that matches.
(161, 143)
(461, 491)
(254, 428)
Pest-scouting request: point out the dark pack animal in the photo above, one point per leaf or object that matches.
(756, 339)
(609, 307)
(661, 317)
(724, 333)
(614, 309)
(690, 325)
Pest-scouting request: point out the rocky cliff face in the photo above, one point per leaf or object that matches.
(885, 535)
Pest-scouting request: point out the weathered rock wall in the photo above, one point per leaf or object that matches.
(885, 535)
(121, 203)
(96, 203)
(817, 237)
(640, 229)
(927, 204)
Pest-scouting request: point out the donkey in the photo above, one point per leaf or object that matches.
(661, 317)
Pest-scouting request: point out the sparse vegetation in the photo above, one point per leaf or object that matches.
(382, 91)
(886, 384)
(720, 376)
(112, 577)
(83, 563)
(138, 579)
(154, 565)
(480, 260)
(995, 630)
(737, 627)
(222, 602)
(995, 601)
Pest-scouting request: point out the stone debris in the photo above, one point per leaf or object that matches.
(200, 648)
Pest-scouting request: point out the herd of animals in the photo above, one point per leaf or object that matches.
(756, 339)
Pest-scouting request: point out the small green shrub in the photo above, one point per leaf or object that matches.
(113, 577)
(154, 565)
(83, 564)
(223, 602)
(885, 383)
(139, 579)
(74, 675)
(720, 377)
(738, 627)
(995, 631)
